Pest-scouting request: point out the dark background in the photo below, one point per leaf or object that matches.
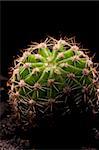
(23, 22)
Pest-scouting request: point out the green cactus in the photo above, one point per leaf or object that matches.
(52, 78)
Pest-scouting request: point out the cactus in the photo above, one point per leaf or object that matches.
(53, 77)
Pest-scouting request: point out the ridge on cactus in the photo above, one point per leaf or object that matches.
(53, 78)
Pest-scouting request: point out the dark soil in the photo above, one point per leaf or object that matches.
(75, 131)
(72, 132)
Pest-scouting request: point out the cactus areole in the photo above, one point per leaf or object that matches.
(52, 77)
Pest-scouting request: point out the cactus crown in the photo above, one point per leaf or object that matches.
(51, 76)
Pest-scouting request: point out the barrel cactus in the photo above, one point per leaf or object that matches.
(52, 78)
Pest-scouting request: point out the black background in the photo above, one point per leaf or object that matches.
(23, 22)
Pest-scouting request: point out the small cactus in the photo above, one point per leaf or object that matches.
(52, 78)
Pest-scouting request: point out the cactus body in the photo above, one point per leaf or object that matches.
(52, 77)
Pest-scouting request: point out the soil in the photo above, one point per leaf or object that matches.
(13, 138)
(80, 132)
